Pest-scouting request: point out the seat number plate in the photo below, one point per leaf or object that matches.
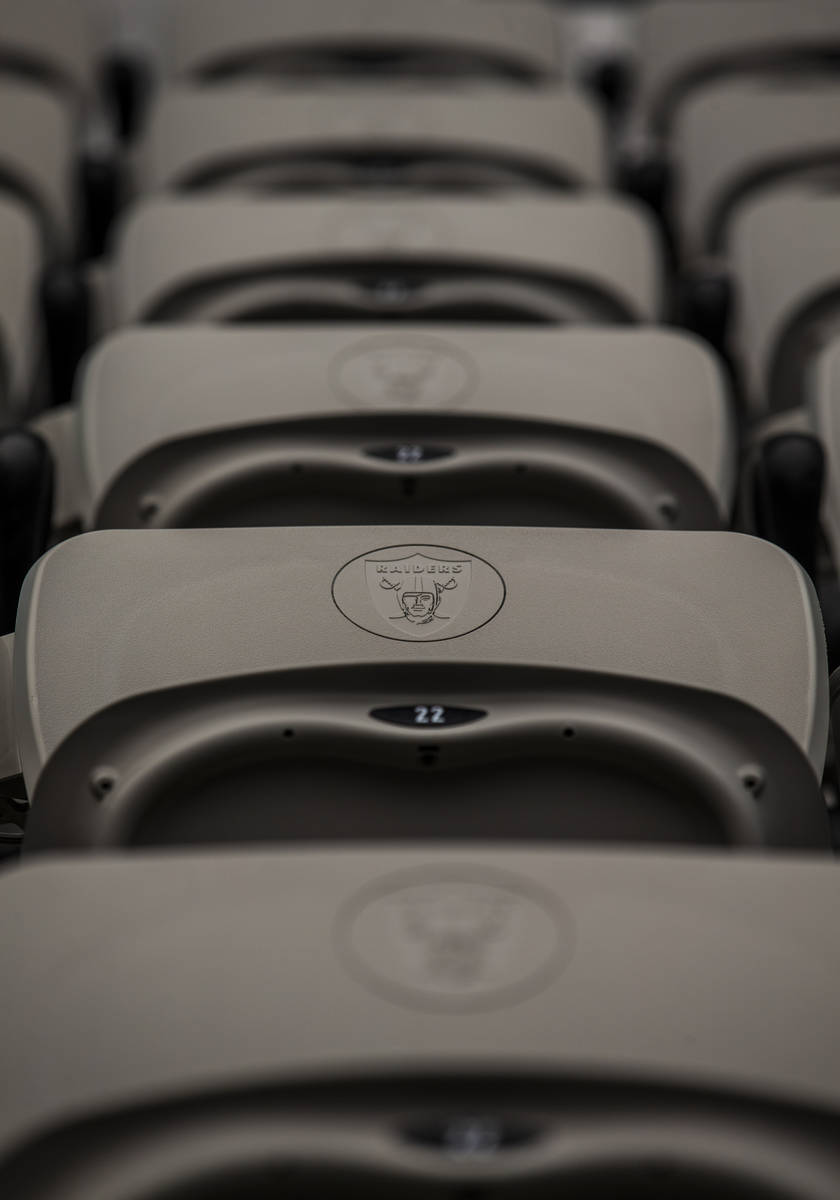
(428, 716)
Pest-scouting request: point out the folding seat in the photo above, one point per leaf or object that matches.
(176, 687)
(25, 466)
(39, 152)
(200, 140)
(686, 45)
(734, 142)
(40, 157)
(333, 425)
(823, 419)
(526, 260)
(531, 260)
(795, 480)
(286, 40)
(52, 43)
(21, 256)
(425, 1023)
(50, 55)
(37, 156)
(785, 259)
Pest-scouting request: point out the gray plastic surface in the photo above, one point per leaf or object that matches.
(824, 416)
(20, 255)
(785, 258)
(733, 141)
(684, 43)
(201, 37)
(171, 253)
(37, 141)
(112, 615)
(59, 429)
(346, 754)
(181, 1016)
(198, 138)
(53, 39)
(143, 388)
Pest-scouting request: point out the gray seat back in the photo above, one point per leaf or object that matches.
(421, 1021)
(203, 139)
(734, 142)
(606, 427)
(525, 260)
(346, 685)
(822, 416)
(786, 265)
(51, 42)
(685, 44)
(441, 39)
(21, 256)
(37, 144)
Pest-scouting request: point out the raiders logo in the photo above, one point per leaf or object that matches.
(412, 593)
(464, 941)
(399, 372)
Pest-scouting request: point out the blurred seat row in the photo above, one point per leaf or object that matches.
(419, 583)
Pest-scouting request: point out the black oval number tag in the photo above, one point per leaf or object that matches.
(428, 716)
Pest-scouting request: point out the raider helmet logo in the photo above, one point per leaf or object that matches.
(459, 941)
(403, 375)
(451, 934)
(398, 371)
(419, 594)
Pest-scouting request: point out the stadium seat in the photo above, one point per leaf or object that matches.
(49, 42)
(685, 45)
(200, 140)
(334, 425)
(21, 258)
(785, 257)
(531, 260)
(795, 469)
(790, 486)
(823, 414)
(734, 142)
(419, 599)
(426, 1023)
(349, 683)
(37, 157)
(55, 157)
(287, 41)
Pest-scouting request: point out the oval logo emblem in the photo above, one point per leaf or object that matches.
(459, 941)
(403, 373)
(419, 593)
